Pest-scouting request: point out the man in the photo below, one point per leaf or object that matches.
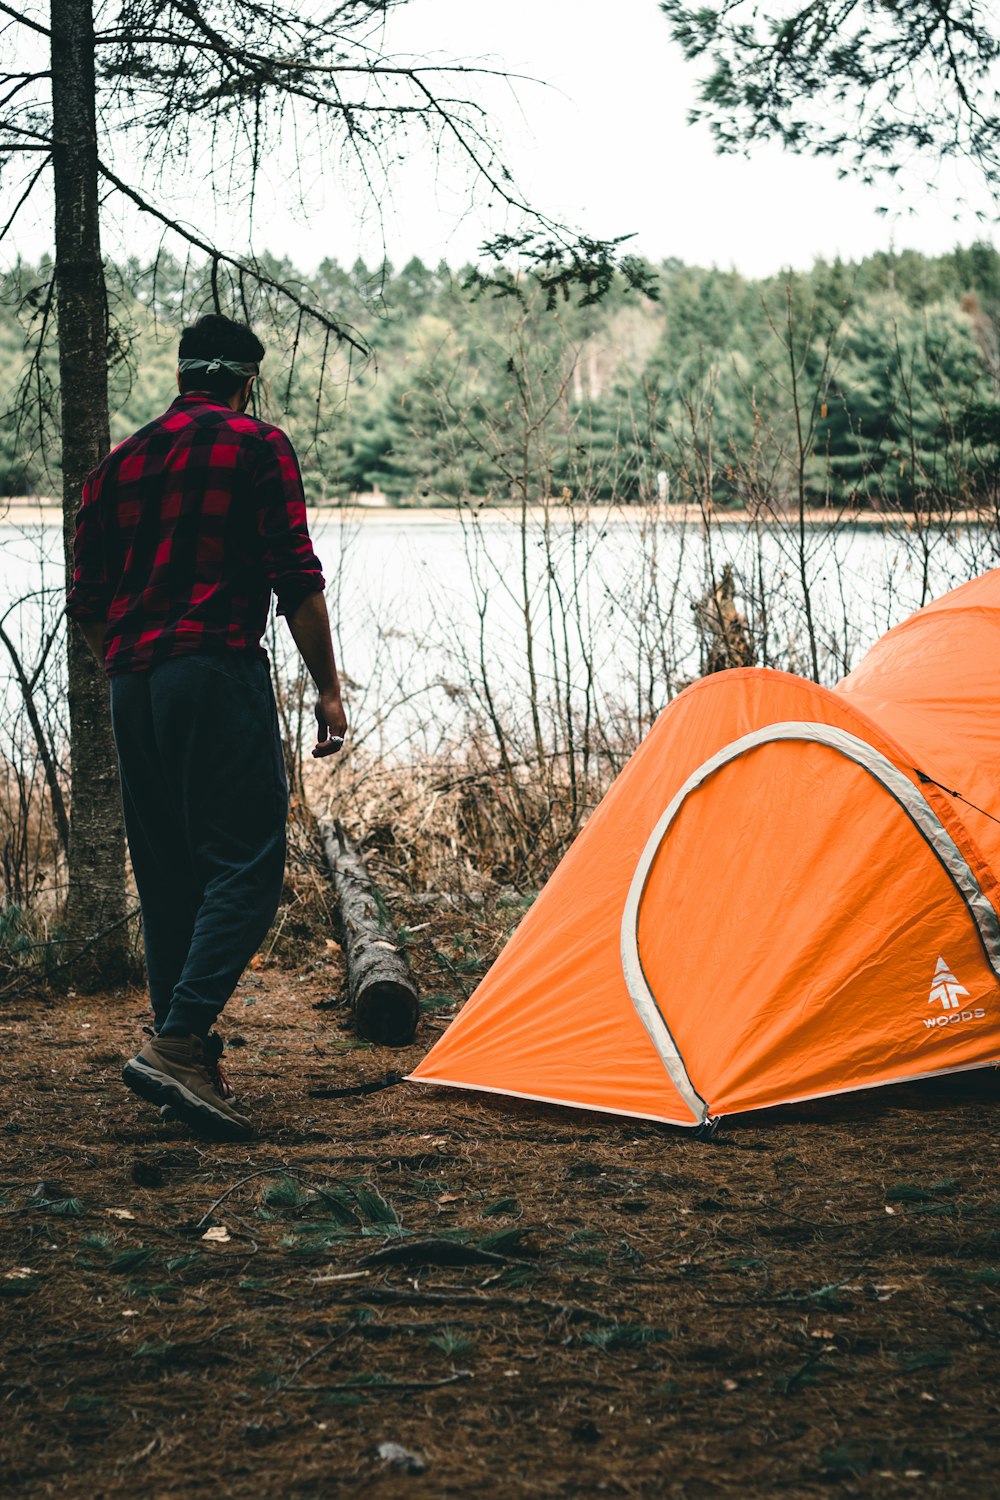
(184, 531)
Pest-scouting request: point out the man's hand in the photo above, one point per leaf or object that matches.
(310, 627)
(331, 724)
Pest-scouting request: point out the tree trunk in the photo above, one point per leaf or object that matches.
(380, 988)
(96, 898)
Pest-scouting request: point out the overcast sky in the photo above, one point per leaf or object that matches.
(604, 146)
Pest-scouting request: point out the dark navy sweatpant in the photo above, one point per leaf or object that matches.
(205, 799)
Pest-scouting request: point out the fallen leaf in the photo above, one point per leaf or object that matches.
(120, 1213)
(218, 1235)
(450, 1198)
(19, 1273)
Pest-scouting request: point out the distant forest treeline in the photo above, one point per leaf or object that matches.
(874, 383)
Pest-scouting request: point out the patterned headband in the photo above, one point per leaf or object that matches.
(245, 370)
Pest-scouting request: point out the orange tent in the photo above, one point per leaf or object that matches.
(788, 892)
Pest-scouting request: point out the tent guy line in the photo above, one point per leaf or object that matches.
(941, 787)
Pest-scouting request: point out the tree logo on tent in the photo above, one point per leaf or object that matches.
(946, 988)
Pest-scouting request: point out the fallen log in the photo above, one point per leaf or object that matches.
(380, 987)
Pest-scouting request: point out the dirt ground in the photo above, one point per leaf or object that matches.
(807, 1304)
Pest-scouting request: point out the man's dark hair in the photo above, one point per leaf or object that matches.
(216, 337)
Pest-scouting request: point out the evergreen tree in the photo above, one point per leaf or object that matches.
(899, 406)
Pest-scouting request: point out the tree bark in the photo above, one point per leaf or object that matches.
(96, 896)
(380, 988)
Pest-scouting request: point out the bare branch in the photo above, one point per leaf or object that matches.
(243, 268)
(23, 20)
(35, 135)
(27, 192)
(294, 65)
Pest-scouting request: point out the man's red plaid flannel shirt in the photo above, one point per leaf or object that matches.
(184, 531)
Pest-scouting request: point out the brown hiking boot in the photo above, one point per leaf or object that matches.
(212, 1048)
(175, 1071)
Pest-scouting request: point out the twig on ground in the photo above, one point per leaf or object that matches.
(328, 1344)
(376, 1387)
(488, 1302)
(260, 1172)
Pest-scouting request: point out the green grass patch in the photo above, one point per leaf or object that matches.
(182, 1262)
(615, 1336)
(96, 1241)
(924, 1359)
(438, 1001)
(152, 1349)
(452, 1342)
(94, 1405)
(20, 1287)
(285, 1193)
(916, 1195)
(64, 1208)
(151, 1291)
(506, 1241)
(130, 1260)
(501, 1206)
(848, 1460)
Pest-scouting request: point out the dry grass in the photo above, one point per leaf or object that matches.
(463, 823)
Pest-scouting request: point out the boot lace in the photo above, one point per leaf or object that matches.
(212, 1059)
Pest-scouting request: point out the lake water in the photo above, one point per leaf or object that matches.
(442, 620)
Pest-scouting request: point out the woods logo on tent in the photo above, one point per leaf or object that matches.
(744, 919)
